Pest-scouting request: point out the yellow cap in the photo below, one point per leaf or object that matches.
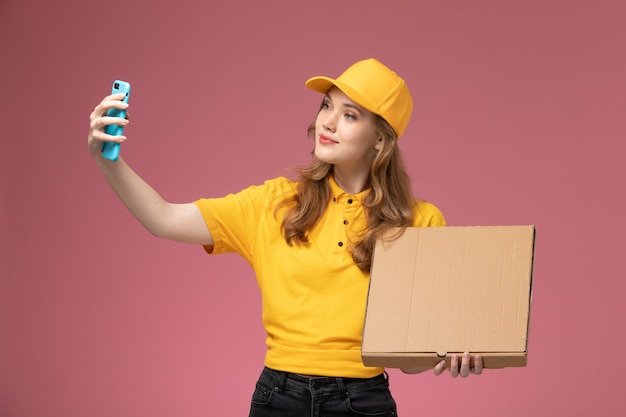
(376, 88)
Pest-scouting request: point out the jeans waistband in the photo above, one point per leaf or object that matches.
(320, 384)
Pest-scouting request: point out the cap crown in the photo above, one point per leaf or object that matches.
(375, 87)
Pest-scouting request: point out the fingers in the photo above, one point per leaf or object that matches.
(454, 366)
(98, 118)
(101, 121)
(97, 130)
(114, 101)
(478, 364)
(465, 365)
(117, 97)
(440, 368)
(461, 365)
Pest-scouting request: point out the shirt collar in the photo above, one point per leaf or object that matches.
(340, 195)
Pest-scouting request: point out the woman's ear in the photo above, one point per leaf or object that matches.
(379, 143)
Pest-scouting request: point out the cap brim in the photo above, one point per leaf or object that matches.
(323, 84)
(320, 84)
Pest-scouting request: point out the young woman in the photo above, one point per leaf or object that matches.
(309, 240)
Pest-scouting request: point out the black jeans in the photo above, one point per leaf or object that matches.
(283, 394)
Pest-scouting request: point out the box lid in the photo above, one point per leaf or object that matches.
(441, 290)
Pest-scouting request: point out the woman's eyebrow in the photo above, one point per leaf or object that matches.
(353, 106)
(349, 105)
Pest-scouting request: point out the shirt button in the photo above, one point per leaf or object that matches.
(345, 222)
(340, 244)
(350, 201)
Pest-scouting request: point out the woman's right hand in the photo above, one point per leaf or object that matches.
(98, 120)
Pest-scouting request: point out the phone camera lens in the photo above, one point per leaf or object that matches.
(117, 86)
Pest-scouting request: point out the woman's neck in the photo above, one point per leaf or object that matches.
(351, 182)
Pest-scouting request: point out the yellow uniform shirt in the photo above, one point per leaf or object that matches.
(313, 294)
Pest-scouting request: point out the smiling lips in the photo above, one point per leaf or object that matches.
(325, 140)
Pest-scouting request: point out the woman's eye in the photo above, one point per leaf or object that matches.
(350, 116)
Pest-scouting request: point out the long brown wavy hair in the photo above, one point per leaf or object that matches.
(388, 204)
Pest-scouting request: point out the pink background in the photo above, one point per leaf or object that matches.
(519, 119)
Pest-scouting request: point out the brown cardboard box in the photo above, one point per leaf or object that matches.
(443, 290)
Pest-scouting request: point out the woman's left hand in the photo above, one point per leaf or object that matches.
(460, 365)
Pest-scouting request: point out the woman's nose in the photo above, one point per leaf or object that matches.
(329, 122)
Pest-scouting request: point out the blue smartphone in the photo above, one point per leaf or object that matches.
(112, 150)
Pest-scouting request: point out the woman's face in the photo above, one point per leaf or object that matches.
(345, 133)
